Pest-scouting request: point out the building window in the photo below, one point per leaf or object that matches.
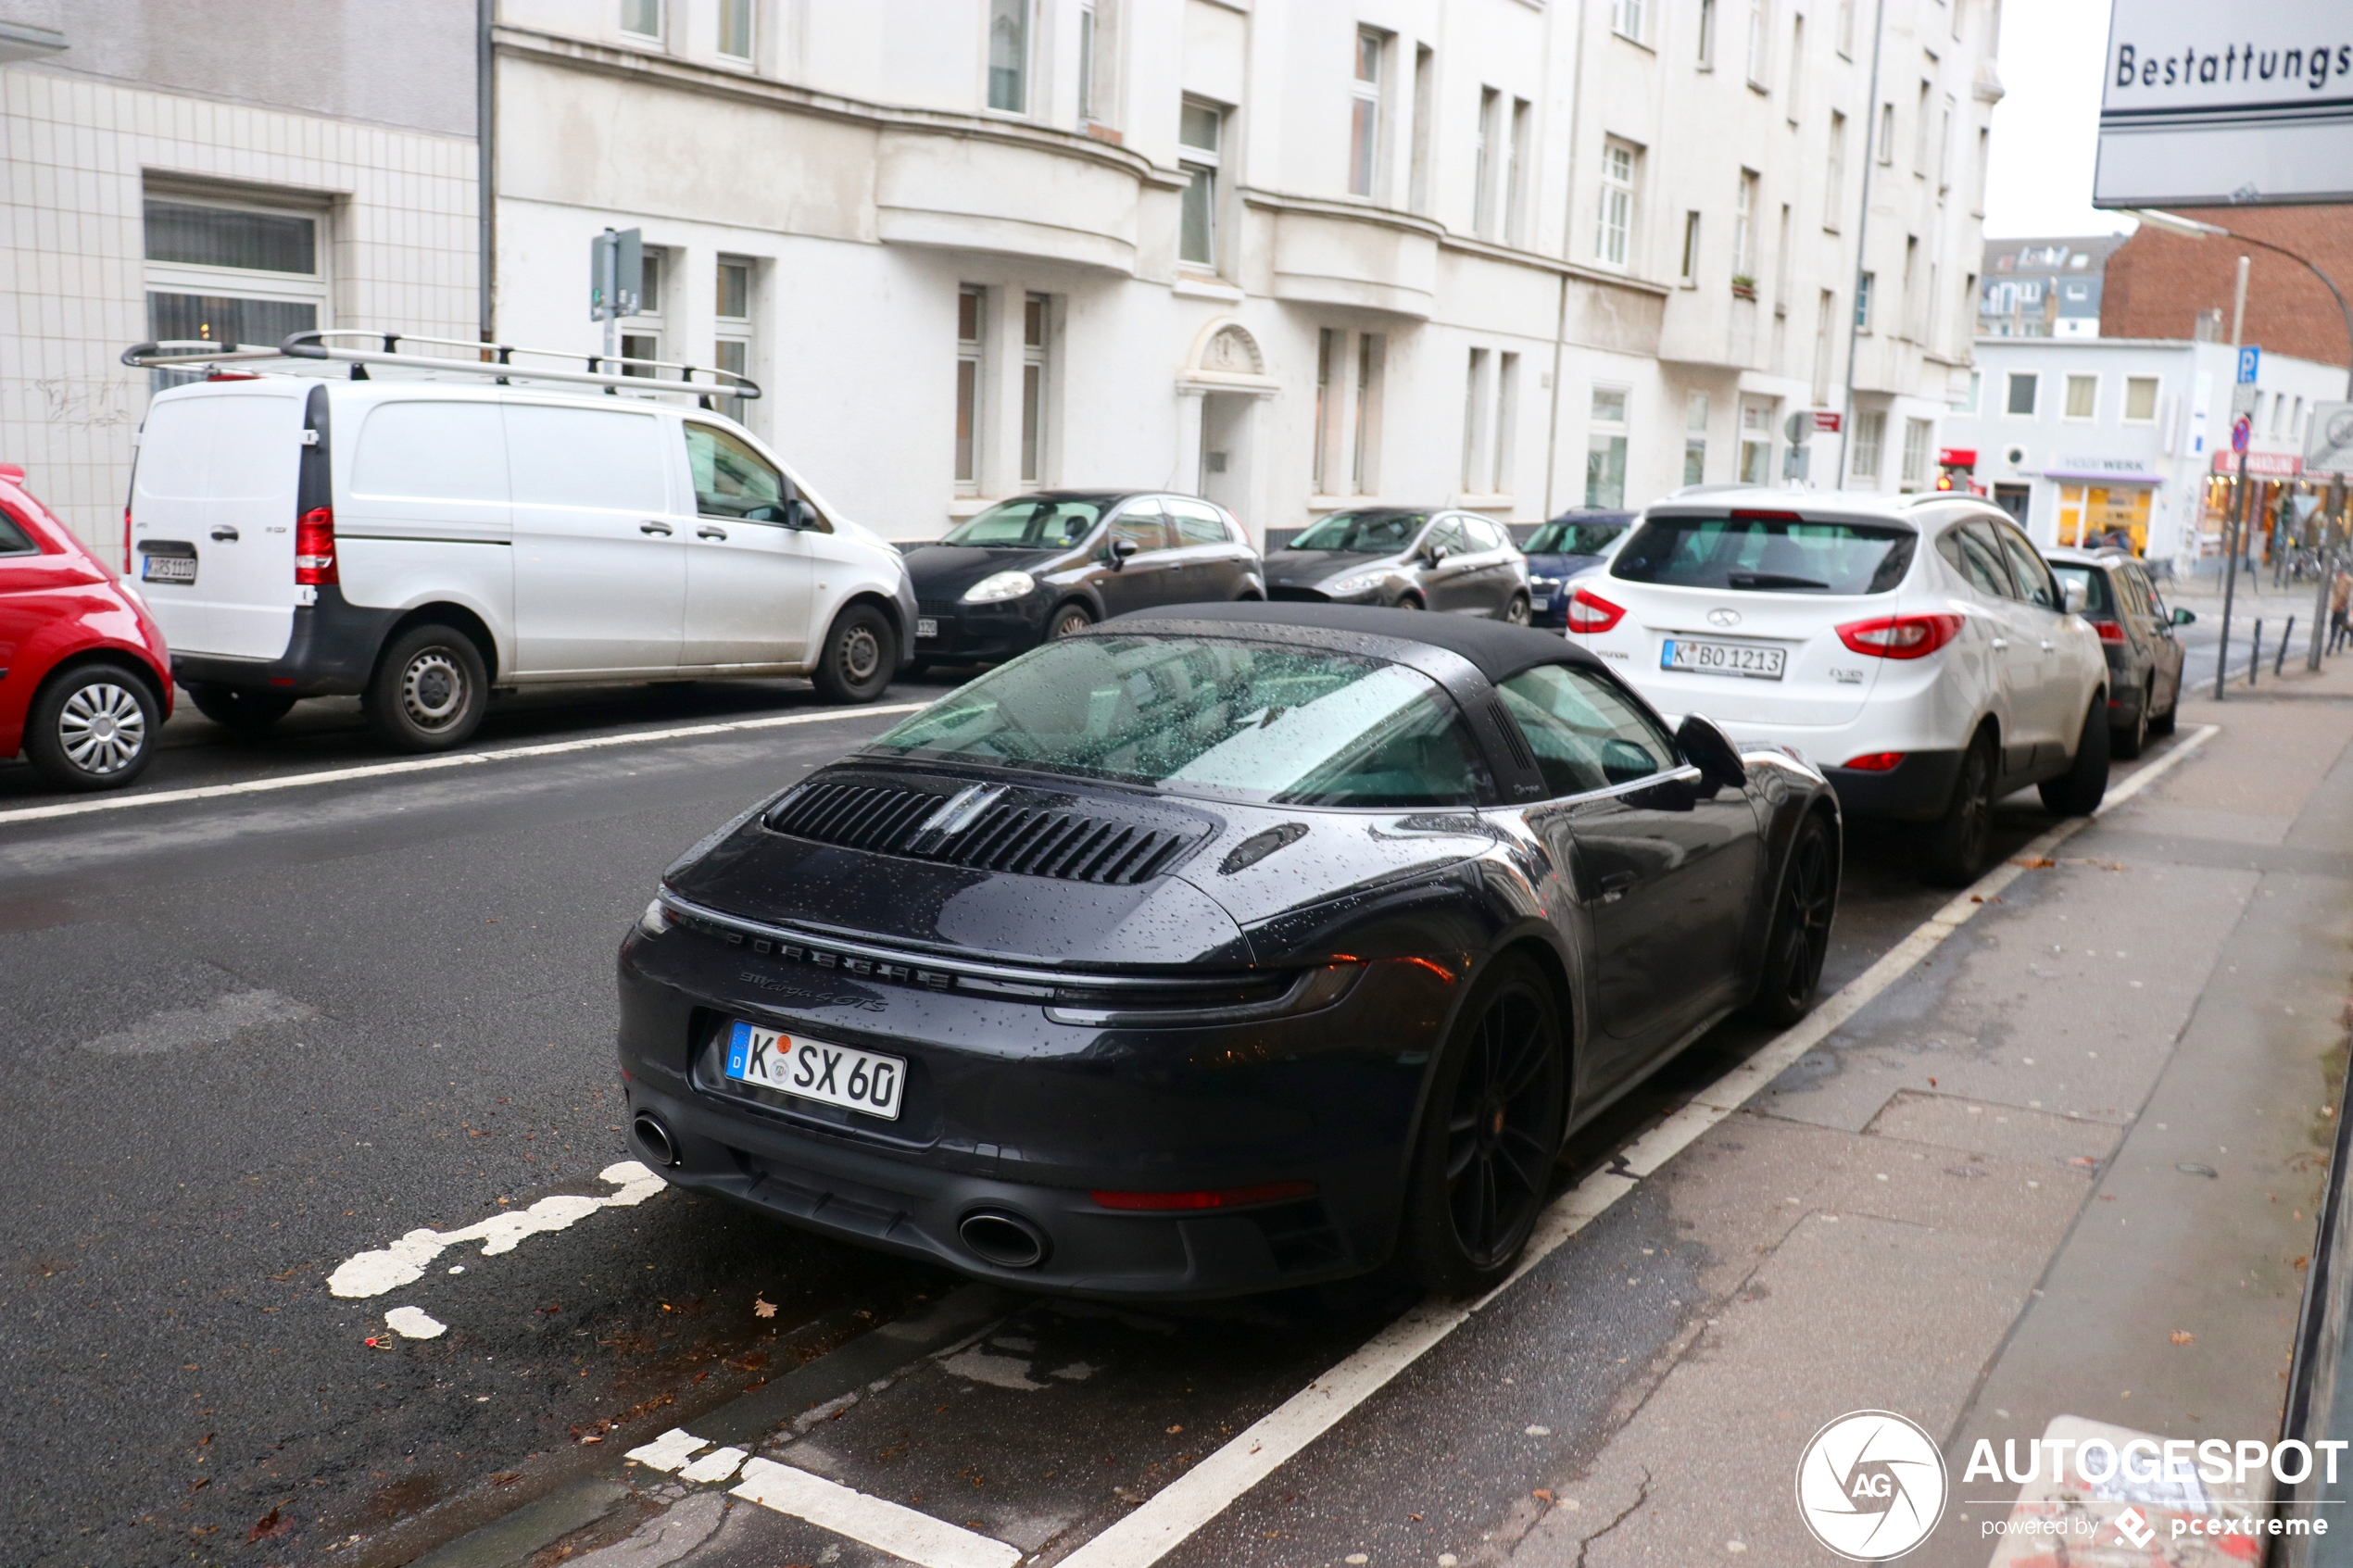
(1364, 463)
(1695, 439)
(1037, 321)
(642, 17)
(2021, 399)
(1627, 17)
(227, 274)
(735, 29)
(1795, 96)
(1744, 230)
(1825, 319)
(1864, 288)
(1887, 134)
(1945, 149)
(1515, 175)
(1425, 108)
(1498, 473)
(1846, 28)
(1606, 449)
(1834, 181)
(1919, 130)
(1483, 149)
(1365, 116)
(1009, 55)
(1474, 419)
(732, 348)
(2140, 400)
(1968, 403)
(1756, 443)
(1616, 221)
(972, 305)
(1707, 34)
(643, 341)
(1690, 273)
(1916, 440)
(1325, 347)
(2082, 398)
(1759, 46)
(1098, 62)
(1870, 430)
(1200, 129)
(1088, 23)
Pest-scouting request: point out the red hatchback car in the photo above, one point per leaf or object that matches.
(85, 681)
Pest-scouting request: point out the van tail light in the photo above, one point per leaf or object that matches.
(314, 547)
(126, 538)
(2109, 631)
(1874, 762)
(1900, 636)
(1588, 612)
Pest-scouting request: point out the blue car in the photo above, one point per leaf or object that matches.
(1572, 543)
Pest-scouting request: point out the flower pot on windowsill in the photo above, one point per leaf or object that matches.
(1744, 288)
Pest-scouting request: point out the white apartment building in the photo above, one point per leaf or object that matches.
(2079, 437)
(1297, 254)
(221, 171)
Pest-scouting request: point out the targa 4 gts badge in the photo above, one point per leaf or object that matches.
(1870, 1486)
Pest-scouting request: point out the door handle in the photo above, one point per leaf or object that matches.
(1613, 886)
(2047, 648)
(706, 531)
(661, 528)
(226, 534)
(2001, 642)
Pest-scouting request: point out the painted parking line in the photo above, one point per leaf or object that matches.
(1181, 1508)
(437, 764)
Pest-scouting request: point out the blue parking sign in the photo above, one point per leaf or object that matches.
(2250, 358)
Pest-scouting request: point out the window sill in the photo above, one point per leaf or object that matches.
(963, 506)
(1205, 285)
(1629, 38)
(1485, 502)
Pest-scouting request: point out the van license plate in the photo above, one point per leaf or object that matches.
(168, 568)
(1755, 660)
(795, 1064)
(925, 627)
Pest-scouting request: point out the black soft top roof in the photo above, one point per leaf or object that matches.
(1496, 648)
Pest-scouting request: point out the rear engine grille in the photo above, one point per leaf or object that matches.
(1031, 840)
(1297, 596)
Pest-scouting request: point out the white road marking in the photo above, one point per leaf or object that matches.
(902, 1532)
(415, 1323)
(1183, 1506)
(670, 1450)
(404, 1262)
(715, 1466)
(436, 764)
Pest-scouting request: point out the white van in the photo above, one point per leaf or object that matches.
(420, 541)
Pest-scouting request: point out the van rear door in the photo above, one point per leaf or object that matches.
(215, 476)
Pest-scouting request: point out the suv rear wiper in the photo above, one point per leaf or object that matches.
(1770, 580)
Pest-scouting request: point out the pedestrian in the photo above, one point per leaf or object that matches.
(2340, 608)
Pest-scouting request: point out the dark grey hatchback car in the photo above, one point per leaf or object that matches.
(2112, 590)
(1404, 558)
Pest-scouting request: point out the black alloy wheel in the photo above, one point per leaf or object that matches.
(1516, 612)
(1483, 1168)
(1799, 939)
(1069, 621)
(93, 727)
(2079, 791)
(1957, 841)
(430, 690)
(860, 657)
(240, 710)
(1411, 601)
(2133, 738)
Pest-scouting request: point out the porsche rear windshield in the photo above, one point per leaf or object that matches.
(1365, 532)
(1033, 523)
(1767, 553)
(1263, 721)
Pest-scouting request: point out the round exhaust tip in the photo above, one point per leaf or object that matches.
(655, 1138)
(1007, 1240)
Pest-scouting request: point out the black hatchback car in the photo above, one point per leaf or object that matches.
(1242, 948)
(1405, 557)
(1055, 562)
(2111, 589)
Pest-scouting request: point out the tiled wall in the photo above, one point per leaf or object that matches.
(75, 154)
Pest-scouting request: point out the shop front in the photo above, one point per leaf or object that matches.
(2105, 503)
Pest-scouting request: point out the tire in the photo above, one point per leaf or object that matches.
(1957, 842)
(2078, 792)
(1800, 937)
(430, 689)
(93, 727)
(1070, 620)
(1515, 612)
(2132, 740)
(1483, 1162)
(1411, 602)
(240, 710)
(861, 655)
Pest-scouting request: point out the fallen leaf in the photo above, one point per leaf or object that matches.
(1174, 1430)
(592, 1437)
(268, 1525)
(1541, 1496)
(2036, 862)
(764, 1308)
(2182, 1337)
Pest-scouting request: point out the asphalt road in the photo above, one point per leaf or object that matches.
(254, 1036)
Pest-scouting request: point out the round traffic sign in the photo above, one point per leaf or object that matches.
(2241, 428)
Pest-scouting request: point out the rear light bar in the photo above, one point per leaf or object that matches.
(1747, 515)
(1588, 612)
(1901, 636)
(1220, 1197)
(1874, 762)
(2109, 631)
(126, 538)
(315, 548)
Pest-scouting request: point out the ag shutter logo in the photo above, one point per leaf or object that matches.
(1870, 1486)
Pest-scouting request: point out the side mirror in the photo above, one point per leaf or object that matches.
(1436, 555)
(2183, 616)
(1121, 549)
(1712, 752)
(2077, 593)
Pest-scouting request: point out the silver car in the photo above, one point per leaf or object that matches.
(1409, 557)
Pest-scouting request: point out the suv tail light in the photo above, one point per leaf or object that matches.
(1900, 636)
(2109, 631)
(1875, 762)
(314, 547)
(1588, 612)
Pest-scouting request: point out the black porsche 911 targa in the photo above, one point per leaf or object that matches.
(1234, 948)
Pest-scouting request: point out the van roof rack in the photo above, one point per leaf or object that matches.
(301, 353)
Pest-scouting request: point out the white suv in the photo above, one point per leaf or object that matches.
(1919, 652)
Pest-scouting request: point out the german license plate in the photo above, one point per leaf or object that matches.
(168, 568)
(925, 627)
(818, 1070)
(1757, 660)
(1540, 601)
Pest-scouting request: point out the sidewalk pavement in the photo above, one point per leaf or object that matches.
(2064, 1169)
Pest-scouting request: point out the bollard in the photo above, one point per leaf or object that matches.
(2279, 658)
(2255, 654)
